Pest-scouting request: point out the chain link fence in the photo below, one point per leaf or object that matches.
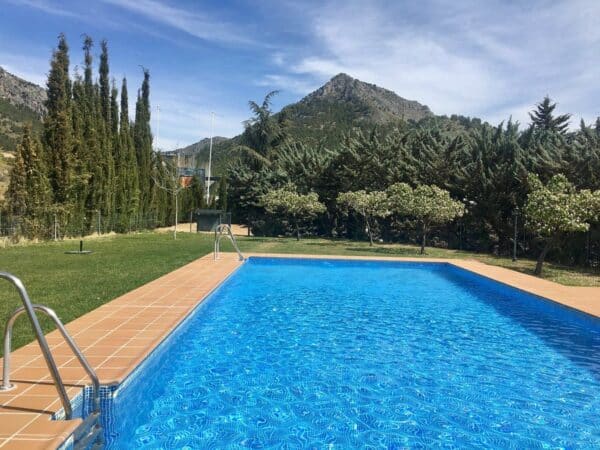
(52, 225)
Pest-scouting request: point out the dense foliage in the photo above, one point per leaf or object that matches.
(91, 168)
(482, 172)
(298, 209)
(557, 208)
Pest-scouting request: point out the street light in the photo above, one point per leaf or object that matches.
(212, 121)
(515, 220)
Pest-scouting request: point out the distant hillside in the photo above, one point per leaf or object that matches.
(345, 102)
(326, 114)
(197, 154)
(20, 102)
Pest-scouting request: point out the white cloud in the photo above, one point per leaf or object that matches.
(483, 59)
(187, 120)
(293, 84)
(193, 23)
(29, 68)
(47, 7)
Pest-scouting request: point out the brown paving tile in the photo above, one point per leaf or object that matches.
(30, 373)
(14, 421)
(134, 352)
(41, 362)
(43, 427)
(18, 443)
(34, 403)
(116, 362)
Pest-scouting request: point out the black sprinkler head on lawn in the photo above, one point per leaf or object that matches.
(81, 251)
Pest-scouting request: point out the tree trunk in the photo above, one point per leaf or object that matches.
(424, 239)
(369, 231)
(297, 231)
(541, 258)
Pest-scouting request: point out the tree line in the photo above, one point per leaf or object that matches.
(487, 169)
(91, 162)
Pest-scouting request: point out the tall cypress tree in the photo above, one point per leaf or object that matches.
(127, 195)
(105, 93)
(92, 135)
(29, 189)
(81, 165)
(16, 194)
(142, 138)
(106, 196)
(58, 132)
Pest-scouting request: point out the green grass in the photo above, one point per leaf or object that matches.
(76, 284)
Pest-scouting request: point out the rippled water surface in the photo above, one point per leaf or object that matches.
(326, 354)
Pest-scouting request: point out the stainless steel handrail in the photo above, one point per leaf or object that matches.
(74, 348)
(219, 235)
(39, 335)
(30, 308)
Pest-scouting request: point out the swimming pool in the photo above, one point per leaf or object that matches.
(297, 353)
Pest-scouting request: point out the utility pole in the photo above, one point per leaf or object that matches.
(157, 126)
(212, 122)
(516, 216)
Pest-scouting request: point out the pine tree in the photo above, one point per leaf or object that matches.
(58, 131)
(543, 117)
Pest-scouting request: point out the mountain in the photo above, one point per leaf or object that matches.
(196, 154)
(20, 102)
(357, 101)
(324, 115)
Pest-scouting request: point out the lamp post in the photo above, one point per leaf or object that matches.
(515, 221)
(212, 121)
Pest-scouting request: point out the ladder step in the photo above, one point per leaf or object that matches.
(87, 423)
(95, 434)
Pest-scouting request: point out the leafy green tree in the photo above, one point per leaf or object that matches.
(299, 208)
(262, 133)
(369, 205)
(431, 206)
(543, 117)
(251, 174)
(557, 208)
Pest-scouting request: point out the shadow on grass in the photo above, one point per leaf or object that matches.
(321, 243)
(386, 251)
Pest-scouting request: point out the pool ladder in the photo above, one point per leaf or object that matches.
(225, 230)
(89, 433)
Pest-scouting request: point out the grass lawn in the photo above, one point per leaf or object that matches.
(76, 284)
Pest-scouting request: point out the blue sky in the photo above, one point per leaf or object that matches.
(489, 59)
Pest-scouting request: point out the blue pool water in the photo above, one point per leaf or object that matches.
(339, 354)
